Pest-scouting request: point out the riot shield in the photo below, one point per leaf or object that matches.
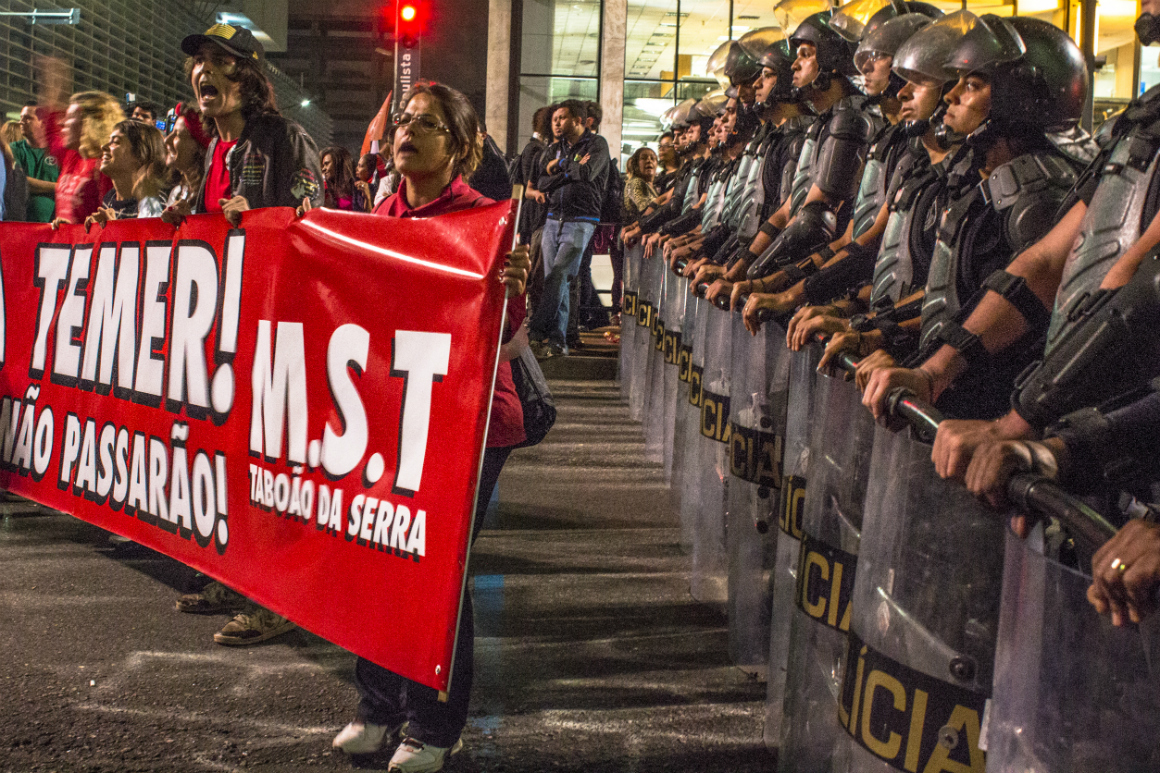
(691, 477)
(925, 616)
(840, 451)
(709, 578)
(653, 408)
(756, 437)
(633, 257)
(645, 303)
(676, 296)
(796, 456)
(1072, 692)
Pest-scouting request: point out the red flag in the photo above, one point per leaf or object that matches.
(295, 407)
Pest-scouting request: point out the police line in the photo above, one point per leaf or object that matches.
(900, 625)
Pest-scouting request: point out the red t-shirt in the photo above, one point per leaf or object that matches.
(507, 413)
(81, 186)
(217, 179)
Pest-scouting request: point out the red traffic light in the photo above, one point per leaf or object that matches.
(411, 16)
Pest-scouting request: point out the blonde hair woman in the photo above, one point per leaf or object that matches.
(75, 141)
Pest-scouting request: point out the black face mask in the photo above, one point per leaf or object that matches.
(1148, 29)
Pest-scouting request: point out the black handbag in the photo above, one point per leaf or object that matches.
(535, 397)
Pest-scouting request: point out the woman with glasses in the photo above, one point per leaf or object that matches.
(436, 144)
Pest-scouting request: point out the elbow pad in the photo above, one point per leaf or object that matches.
(841, 156)
(682, 224)
(812, 228)
(1112, 347)
(661, 215)
(837, 280)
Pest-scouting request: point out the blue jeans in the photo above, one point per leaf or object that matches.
(563, 247)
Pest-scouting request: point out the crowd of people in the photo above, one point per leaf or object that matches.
(919, 194)
(228, 151)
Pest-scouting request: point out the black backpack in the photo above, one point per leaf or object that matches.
(610, 209)
(15, 192)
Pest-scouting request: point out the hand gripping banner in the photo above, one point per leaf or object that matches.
(294, 407)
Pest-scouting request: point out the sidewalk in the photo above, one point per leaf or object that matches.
(591, 656)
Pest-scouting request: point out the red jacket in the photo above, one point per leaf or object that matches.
(506, 427)
(81, 186)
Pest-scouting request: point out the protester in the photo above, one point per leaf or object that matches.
(39, 166)
(257, 158)
(574, 176)
(145, 112)
(11, 131)
(185, 147)
(365, 183)
(639, 189)
(535, 210)
(338, 178)
(134, 160)
(436, 144)
(74, 139)
(491, 177)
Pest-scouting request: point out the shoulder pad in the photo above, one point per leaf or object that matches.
(1076, 144)
(1106, 134)
(798, 124)
(1027, 175)
(851, 124)
(1028, 191)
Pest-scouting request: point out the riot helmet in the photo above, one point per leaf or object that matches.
(1037, 73)
(770, 48)
(833, 54)
(791, 13)
(855, 20)
(678, 114)
(715, 64)
(922, 61)
(884, 40)
(1148, 28)
(741, 68)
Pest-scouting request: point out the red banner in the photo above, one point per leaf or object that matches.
(296, 407)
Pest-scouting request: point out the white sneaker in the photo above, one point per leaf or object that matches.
(363, 737)
(414, 756)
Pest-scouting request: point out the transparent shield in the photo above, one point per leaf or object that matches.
(802, 374)
(691, 463)
(1072, 692)
(755, 440)
(653, 414)
(925, 617)
(709, 580)
(628, 363)
(840, 443)
(676, 297)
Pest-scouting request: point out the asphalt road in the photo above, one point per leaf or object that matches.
(590, 655)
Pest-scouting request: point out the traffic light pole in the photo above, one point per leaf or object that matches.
(406, 71)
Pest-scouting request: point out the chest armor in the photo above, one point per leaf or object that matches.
(786, 149)
(714, 202)
(735, 190)
(1024, 193)
(1114, 219)
(693, 191)
(875, 181)
(894, 268)
(803, 175)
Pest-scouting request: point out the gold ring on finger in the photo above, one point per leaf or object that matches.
(1119, 566)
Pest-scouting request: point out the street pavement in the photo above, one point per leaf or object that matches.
(590, 654)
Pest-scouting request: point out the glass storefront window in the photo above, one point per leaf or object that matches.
(561, 37)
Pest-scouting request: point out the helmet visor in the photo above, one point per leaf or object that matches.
(760, 42)
(987, 43)
(850, 20)
(791, 13)
(923, 58)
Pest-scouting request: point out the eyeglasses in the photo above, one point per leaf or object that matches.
(423, 123)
